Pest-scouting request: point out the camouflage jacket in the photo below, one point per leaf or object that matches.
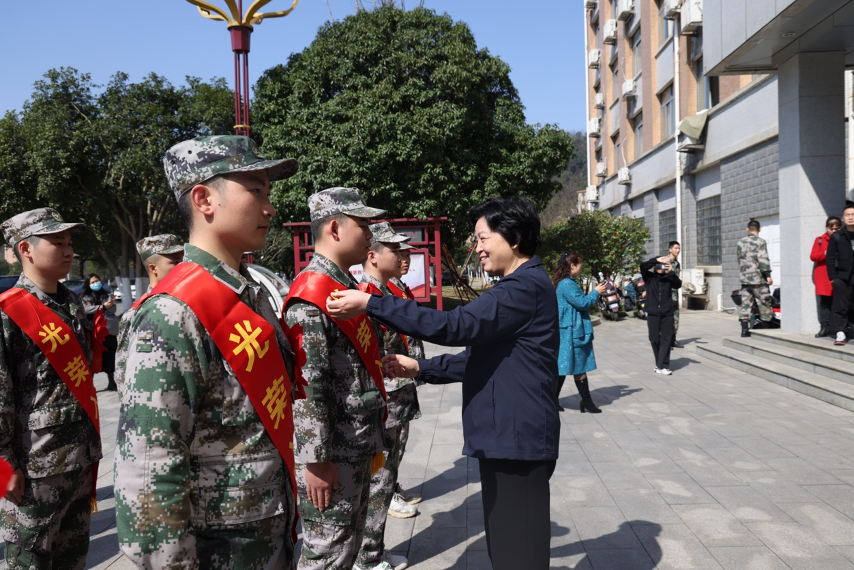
(416, 345)
(43, 429)
(676, 268)
(402, 395)
(193, 460)
(753, 262)
(122, 344)
(341, 417)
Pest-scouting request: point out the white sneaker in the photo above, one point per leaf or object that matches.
(395, 561)
(656, 370)
(400, 509)
(665, 371)
(409, 498)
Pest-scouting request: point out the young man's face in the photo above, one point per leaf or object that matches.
(675, 250)
(848, 216)
(405, 257)
(159, 266)
(50, 257)
(386, 260)
(243, 213)
(355, 238)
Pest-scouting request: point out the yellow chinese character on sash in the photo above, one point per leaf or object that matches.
(247, 341)
(51, 334)
(77, 370)
(276, 400)
(363, 335)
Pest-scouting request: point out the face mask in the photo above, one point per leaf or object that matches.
(96, 286)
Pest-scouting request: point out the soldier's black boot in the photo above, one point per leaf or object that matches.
(111, 384)
(676, 343)
(587, 404)
(745, 329)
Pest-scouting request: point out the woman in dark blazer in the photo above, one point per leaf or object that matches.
(509, 373)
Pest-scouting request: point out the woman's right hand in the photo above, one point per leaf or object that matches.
(600, 288)
(399, 366)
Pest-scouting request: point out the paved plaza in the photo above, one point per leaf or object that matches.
(708, 468)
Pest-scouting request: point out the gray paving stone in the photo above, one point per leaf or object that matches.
(833, 527)
(708, 472)
(776, 488)
(637, 504)
(621, 559)
(747, 557)
(603, 528)
(798, 547)
(801, 472)
(747, 504)
(715, 526)
(675, 547)
(679, 489)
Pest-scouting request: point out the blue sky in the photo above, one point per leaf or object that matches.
(542, 41)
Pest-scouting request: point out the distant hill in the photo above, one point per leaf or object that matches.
(573, 178)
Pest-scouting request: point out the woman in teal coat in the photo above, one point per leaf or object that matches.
(576, 332)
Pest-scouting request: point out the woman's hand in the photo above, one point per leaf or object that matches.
(399, 366)
(110, 303)
(345, 305)
(600, 288)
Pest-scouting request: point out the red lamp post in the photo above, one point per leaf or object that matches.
(240, 26)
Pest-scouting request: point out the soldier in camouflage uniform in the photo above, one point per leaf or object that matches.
(45, 434)
(338, 427)
(755, 277)
(199, 481)
(675, 267)
(159, 254)
(384, 263)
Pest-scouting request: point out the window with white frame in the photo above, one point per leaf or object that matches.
(709, 231)
(667, 119)
(636, 54)
(666, 228)
(664, 29)
(637, 126)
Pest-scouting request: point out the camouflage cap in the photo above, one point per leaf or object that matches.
(340, 201)
(384, 233)
(192, 162)
(163, 244)
(36, 222)
(405, 246)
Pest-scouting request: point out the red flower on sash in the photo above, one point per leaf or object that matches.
(98, 348)
(294, 335)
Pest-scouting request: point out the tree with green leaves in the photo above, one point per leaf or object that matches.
(96, 157)
(609, 245)
(406, 107)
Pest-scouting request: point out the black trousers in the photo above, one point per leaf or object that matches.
(841, 302)
(824, 308)
(516, 512)
(660, 337)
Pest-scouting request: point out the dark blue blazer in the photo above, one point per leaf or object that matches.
(509, 368)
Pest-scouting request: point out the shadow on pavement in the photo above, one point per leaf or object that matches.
(601, 551)
(680, 363)
(601, 396)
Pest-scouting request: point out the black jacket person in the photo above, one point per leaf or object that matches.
(660, 307)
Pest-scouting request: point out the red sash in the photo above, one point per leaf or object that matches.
(398, 292)
(371, 288)
(316, 288)
(59, 345)
(248, 343)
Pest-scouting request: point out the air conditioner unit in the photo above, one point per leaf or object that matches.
(610, 36)
(625, 9)
(694, 281)
(691, 15)
(593, 58)
(601, 169)
(624, 176)
(592, 194)
(630, 88)
(591, 3)
(594, 127)
(599, 101)
(671, 8)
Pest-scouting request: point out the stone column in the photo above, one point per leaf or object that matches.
(812, 172)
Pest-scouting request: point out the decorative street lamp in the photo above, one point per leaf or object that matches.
(240, 27)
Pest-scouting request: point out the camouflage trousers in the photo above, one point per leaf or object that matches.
(331, 538)
(675, 298)
(50, 528)
(382, 490)
(763, 299)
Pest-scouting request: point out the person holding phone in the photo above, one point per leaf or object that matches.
(95, 297)
(660, 283)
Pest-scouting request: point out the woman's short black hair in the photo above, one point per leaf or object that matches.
(515, 218)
